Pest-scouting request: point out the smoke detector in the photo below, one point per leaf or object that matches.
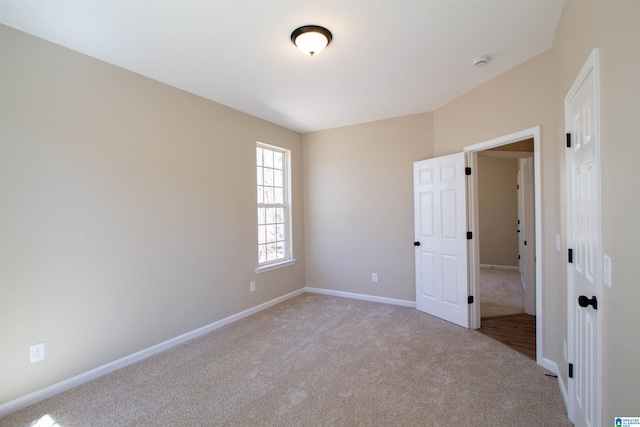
(481, 61)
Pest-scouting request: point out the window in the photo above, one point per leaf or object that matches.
(274, 235)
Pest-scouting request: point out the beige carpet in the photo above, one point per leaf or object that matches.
(501, 292)
(317, 360)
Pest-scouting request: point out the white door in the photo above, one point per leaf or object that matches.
(441, 238)
(584, 243)
(528, 253)
(521, 221)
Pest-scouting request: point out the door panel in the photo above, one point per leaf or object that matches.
(428, 274)
(450, 278)
(426, 220)
(584, 237)
(440, 228)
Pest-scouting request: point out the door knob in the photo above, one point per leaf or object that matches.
(583, 301)
(416, 243)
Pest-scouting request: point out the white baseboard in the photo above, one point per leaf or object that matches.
(552, 366)
(500, 267)
(363, 297)
(67, 384)
(84, 377)
(565, 394)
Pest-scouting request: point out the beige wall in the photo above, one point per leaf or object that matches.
(533, 94)
(516, 100)
(359, 205)
(498, 211)
(503, 105)
(612, 27)
(88, 205)
(127, 212)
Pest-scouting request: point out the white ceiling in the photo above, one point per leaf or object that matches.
(388, 58)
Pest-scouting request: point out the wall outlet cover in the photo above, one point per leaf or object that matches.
(36, 352)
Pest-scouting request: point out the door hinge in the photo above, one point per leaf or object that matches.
(467, 171)
(469, 235)
(518, 256)
(470, 299)
(570, 256)
(525, 243)
(518, 187)
(568, 140)
(570, 370)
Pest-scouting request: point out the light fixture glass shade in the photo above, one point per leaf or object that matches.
(311, 39)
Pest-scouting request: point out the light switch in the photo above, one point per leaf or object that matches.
(606, 271)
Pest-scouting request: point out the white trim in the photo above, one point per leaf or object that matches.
(506, 154)
(275, 266)
(500, 267)
(363, 297)
(564, 392)
(473, 246)
(533, 132)
(552, 367)
(288, 209)
(549, 365)
(472, 151)
(77, 380)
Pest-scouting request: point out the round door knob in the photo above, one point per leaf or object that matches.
(585, 302)
(416, 243)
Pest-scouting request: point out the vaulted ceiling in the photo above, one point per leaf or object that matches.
(388, 58)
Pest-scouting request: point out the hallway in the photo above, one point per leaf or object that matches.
(502, 311)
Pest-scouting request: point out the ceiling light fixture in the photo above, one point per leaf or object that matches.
(311, 39)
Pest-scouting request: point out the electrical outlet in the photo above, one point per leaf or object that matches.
(374, 277)
(36, 352)
(252, 286)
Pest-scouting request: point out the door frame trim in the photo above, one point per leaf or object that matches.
(474, 247)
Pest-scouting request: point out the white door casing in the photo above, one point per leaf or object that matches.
(441, 238)
(584, 241)
(472, 152)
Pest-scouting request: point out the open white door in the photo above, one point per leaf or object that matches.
(441, 238)
(585, 246)
(527, 234)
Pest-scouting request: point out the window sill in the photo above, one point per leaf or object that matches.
(275, 266)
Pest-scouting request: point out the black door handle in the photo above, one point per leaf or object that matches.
(416, 243)
(583, 301)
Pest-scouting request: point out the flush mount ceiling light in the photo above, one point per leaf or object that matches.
(311, 39)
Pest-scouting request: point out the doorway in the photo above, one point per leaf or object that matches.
(513, 143)
(507, 270)
(507, 245)
(446, 217)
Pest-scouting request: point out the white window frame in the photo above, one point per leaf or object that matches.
(288, 241)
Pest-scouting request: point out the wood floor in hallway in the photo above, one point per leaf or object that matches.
(517, 331)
